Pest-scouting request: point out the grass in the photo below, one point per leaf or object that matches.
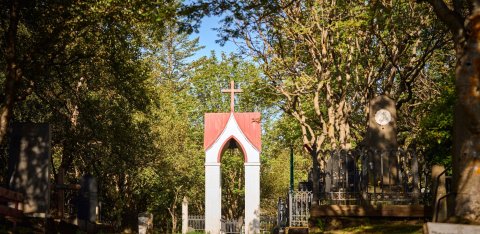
(380, 228)
(367, 225)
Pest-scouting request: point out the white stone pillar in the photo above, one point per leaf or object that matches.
(213, 198)
(252, 198)
(184, 215)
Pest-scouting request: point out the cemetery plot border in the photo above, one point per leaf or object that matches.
(369, 182)
(359, 177)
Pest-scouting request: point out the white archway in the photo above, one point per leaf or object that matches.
(220, 128)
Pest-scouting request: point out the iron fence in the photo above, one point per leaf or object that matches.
(369, 176)
(299, 208)
(295, 212)
(196, 223)
(231, 226)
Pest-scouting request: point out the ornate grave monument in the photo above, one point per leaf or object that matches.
(382, 137)
(221, 131)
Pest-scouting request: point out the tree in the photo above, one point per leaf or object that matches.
(78, 65)
(48, 30)
(325, 60)
(233, 184)
(177, 169)
(462, 18)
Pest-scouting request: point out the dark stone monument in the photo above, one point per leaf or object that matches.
(341, 174)
(87, 202)
(351, 176)
(331, 174)
(88, 199)
(382, 137)
(29, 158)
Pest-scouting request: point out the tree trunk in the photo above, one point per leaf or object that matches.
(466, 161)
(173, 210)
(14, 73)
(174, 223)
(466, 133)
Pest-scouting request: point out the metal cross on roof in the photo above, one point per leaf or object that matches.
(232, 92)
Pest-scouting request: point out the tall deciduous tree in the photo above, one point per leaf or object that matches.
(78, 65)
(463, 20)
(325, 60)
(177, 168)
(41, 35)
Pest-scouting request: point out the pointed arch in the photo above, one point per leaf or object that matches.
(223, 148)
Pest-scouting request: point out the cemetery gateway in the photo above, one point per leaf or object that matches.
(223, 130)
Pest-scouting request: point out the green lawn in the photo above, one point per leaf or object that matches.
(366, 225)
(381, 228)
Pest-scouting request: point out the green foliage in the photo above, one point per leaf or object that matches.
(116, 81)
(320, 225)
(280, 132)
(233, 184)
(83, 73)
(436, 133)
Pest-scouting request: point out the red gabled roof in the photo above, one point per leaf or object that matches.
(249, 124)
(214, 125)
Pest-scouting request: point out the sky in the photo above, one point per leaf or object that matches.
(208, 36)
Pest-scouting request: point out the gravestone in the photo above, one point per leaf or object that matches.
(331, 174)
(340, 173)
(88, 199)
(87, 203)
(29, 157)
(351, 176)
(382, 137)
(145, 223)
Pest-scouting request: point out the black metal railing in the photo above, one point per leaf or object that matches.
(196, 223)
(295, 211)
(231, 226)
(373, 177)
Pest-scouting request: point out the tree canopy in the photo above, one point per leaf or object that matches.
(118, 83)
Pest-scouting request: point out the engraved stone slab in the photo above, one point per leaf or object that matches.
(29, 157)
(382, 123)
(448, 228)
(382, 137)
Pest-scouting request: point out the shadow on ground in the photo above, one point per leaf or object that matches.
(365, 225)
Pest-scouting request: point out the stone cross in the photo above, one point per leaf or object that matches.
(232, 92)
